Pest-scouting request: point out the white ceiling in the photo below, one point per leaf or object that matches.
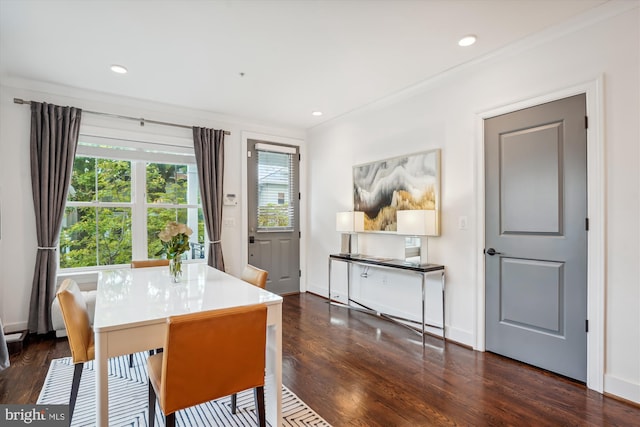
(297, 56)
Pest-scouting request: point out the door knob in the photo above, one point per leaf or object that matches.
(492, 252)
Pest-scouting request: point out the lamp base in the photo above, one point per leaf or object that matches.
(414, 253)
(349, 245)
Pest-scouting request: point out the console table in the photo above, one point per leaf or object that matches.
(421, 269)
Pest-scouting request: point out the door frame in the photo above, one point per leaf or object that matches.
(302, 185)
(595, 211)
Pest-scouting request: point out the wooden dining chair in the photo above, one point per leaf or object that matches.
(208, 355)
(142, 264)
(255, 276)
(79, 333)
(149, 263)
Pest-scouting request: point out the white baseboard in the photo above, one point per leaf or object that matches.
(15, 327)
(622, 388)
(459, 336)
(323, 292)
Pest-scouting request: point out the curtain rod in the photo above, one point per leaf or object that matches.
(116, 116)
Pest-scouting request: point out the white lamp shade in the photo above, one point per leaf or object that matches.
(350, 222)
(417, 222)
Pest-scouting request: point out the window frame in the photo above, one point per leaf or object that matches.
(138, 153)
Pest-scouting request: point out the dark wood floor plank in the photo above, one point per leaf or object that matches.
(355, 369)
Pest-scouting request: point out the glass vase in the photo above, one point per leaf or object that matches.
(175, 269)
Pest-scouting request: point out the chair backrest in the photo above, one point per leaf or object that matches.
(149, 263)
(212, 354)
(76, 321)
(255, 276)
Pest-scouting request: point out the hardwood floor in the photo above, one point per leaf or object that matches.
(21, 383)
(358, 370)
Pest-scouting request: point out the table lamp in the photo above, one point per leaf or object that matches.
(349, 223)
(416, 223)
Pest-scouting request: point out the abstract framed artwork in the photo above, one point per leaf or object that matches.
(402, 183)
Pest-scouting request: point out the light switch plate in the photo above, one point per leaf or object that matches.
(462, 223)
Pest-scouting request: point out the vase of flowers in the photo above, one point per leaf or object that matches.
(175, 242)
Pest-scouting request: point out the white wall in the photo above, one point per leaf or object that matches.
(442, 113)
(18, 238)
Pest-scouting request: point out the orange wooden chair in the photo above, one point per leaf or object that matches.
(255, 276)
(149, 263)
(206, 356)
(79, 333)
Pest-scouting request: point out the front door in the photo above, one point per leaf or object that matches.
(273, 203)
(536, 236)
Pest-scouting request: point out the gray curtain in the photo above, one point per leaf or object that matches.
(4, 350)
(209, 150)
(54, 138)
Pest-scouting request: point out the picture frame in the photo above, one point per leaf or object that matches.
(407, 182)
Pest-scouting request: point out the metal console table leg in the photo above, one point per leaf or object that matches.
(398, 265)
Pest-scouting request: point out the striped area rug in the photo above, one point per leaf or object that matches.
(128, 399)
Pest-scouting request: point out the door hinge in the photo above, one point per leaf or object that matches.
(299, 196)
(586, 224)
(299, 234)
(586, 122)
(299, 157)
(586, 325)
(299, 273)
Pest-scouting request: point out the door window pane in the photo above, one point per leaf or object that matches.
(275, 191)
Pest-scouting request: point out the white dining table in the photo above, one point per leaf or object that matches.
(132, 306)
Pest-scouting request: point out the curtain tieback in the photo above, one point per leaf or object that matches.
(214, 242)
(48, 248)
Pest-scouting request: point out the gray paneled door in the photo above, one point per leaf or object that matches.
(536, 236)
(273, 216)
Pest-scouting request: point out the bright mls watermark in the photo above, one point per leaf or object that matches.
(34, 415)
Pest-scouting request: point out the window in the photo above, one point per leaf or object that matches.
(172, 195)
(96, 228)
(121, 197)
(275, 189)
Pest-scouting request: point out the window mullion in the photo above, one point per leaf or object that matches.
(192, 200)
(139, 210)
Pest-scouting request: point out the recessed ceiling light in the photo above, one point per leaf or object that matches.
(316, 113)
(467, 40)
(118, 69)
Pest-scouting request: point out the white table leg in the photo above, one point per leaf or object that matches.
(273, 386)
(102, 380)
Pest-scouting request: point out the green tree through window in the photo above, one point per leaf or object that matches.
(100, 212)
